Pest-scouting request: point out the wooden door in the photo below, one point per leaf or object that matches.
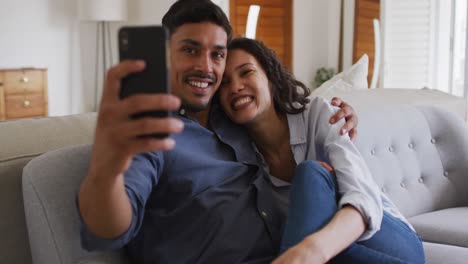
(365, 12)
(2, 97)
(274, 26)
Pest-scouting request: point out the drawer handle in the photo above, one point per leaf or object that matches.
(24, 80)
(26, 103)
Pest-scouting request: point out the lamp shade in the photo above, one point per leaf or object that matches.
(102, 10)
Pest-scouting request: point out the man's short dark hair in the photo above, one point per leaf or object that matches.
(195, 11)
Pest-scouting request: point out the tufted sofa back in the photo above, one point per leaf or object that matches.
(418, 156)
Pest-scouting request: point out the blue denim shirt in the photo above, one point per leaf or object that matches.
(206, 201)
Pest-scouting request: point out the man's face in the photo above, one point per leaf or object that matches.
(198, 57)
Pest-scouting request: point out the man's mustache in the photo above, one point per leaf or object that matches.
(201, 75)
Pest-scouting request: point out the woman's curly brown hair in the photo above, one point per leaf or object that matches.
(289, 94)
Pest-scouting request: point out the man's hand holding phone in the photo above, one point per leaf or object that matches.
(117, 136)
(136, 105)
(103, 201)
(134, 117)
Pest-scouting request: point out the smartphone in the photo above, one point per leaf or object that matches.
(150, 44)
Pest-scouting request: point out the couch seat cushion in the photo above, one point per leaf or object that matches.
(439, 253)
(448, 226)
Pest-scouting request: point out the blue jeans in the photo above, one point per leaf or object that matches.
(313, 203)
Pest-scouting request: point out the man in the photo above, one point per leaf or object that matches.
(206, 199)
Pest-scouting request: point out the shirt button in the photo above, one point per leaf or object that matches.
(390, 149)
(264, 214)
(421, 180)
(410, 145)
(372, 152)
(384, 190)
(433, 141)
(446, 173)
(182, 111)
(402, 185)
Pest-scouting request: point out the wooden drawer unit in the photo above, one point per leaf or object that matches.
(28, 105)
(18, 82)
(23, 93)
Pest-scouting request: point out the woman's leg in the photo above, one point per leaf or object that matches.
(313, 203)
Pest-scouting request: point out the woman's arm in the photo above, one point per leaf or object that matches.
(360, 207)
(355, 184)
(343, 229)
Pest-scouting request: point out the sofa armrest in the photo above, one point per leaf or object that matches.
(50, 184)
(450, 134)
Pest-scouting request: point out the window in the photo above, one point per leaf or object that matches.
(424, 44)
(459, 47)
(409, 32)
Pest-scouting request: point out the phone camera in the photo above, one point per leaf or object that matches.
(124, 40)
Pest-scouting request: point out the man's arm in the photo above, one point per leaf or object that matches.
(347, 112)
(103, 202)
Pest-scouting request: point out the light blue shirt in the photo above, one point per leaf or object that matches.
(313, 138)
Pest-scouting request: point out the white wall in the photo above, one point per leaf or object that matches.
(311, 38)
(443, 67)
(348, 33)
(47, 33)
(42, 33)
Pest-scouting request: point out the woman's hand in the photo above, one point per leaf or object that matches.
(327, 166)
(306, 251)
(347, 112)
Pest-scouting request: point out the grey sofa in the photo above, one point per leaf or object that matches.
(408, 149)
(20, 141)
(419, 157)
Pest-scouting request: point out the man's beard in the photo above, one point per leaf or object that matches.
(195, 108)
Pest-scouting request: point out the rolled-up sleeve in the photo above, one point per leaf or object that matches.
(355, 183)
(140, 179)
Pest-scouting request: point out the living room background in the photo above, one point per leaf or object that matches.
(48, 34)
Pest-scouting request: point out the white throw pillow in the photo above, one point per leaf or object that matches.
(354, 78)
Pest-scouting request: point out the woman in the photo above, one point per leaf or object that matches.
(342, 219)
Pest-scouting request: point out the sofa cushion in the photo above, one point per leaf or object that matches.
(439, 253)
(448, 226)
(352, 79)
(50, 184)
(20, 141)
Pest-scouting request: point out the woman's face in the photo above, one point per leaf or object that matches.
(245, 93)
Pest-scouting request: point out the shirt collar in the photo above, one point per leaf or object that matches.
(235, 136)
(297, 128)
